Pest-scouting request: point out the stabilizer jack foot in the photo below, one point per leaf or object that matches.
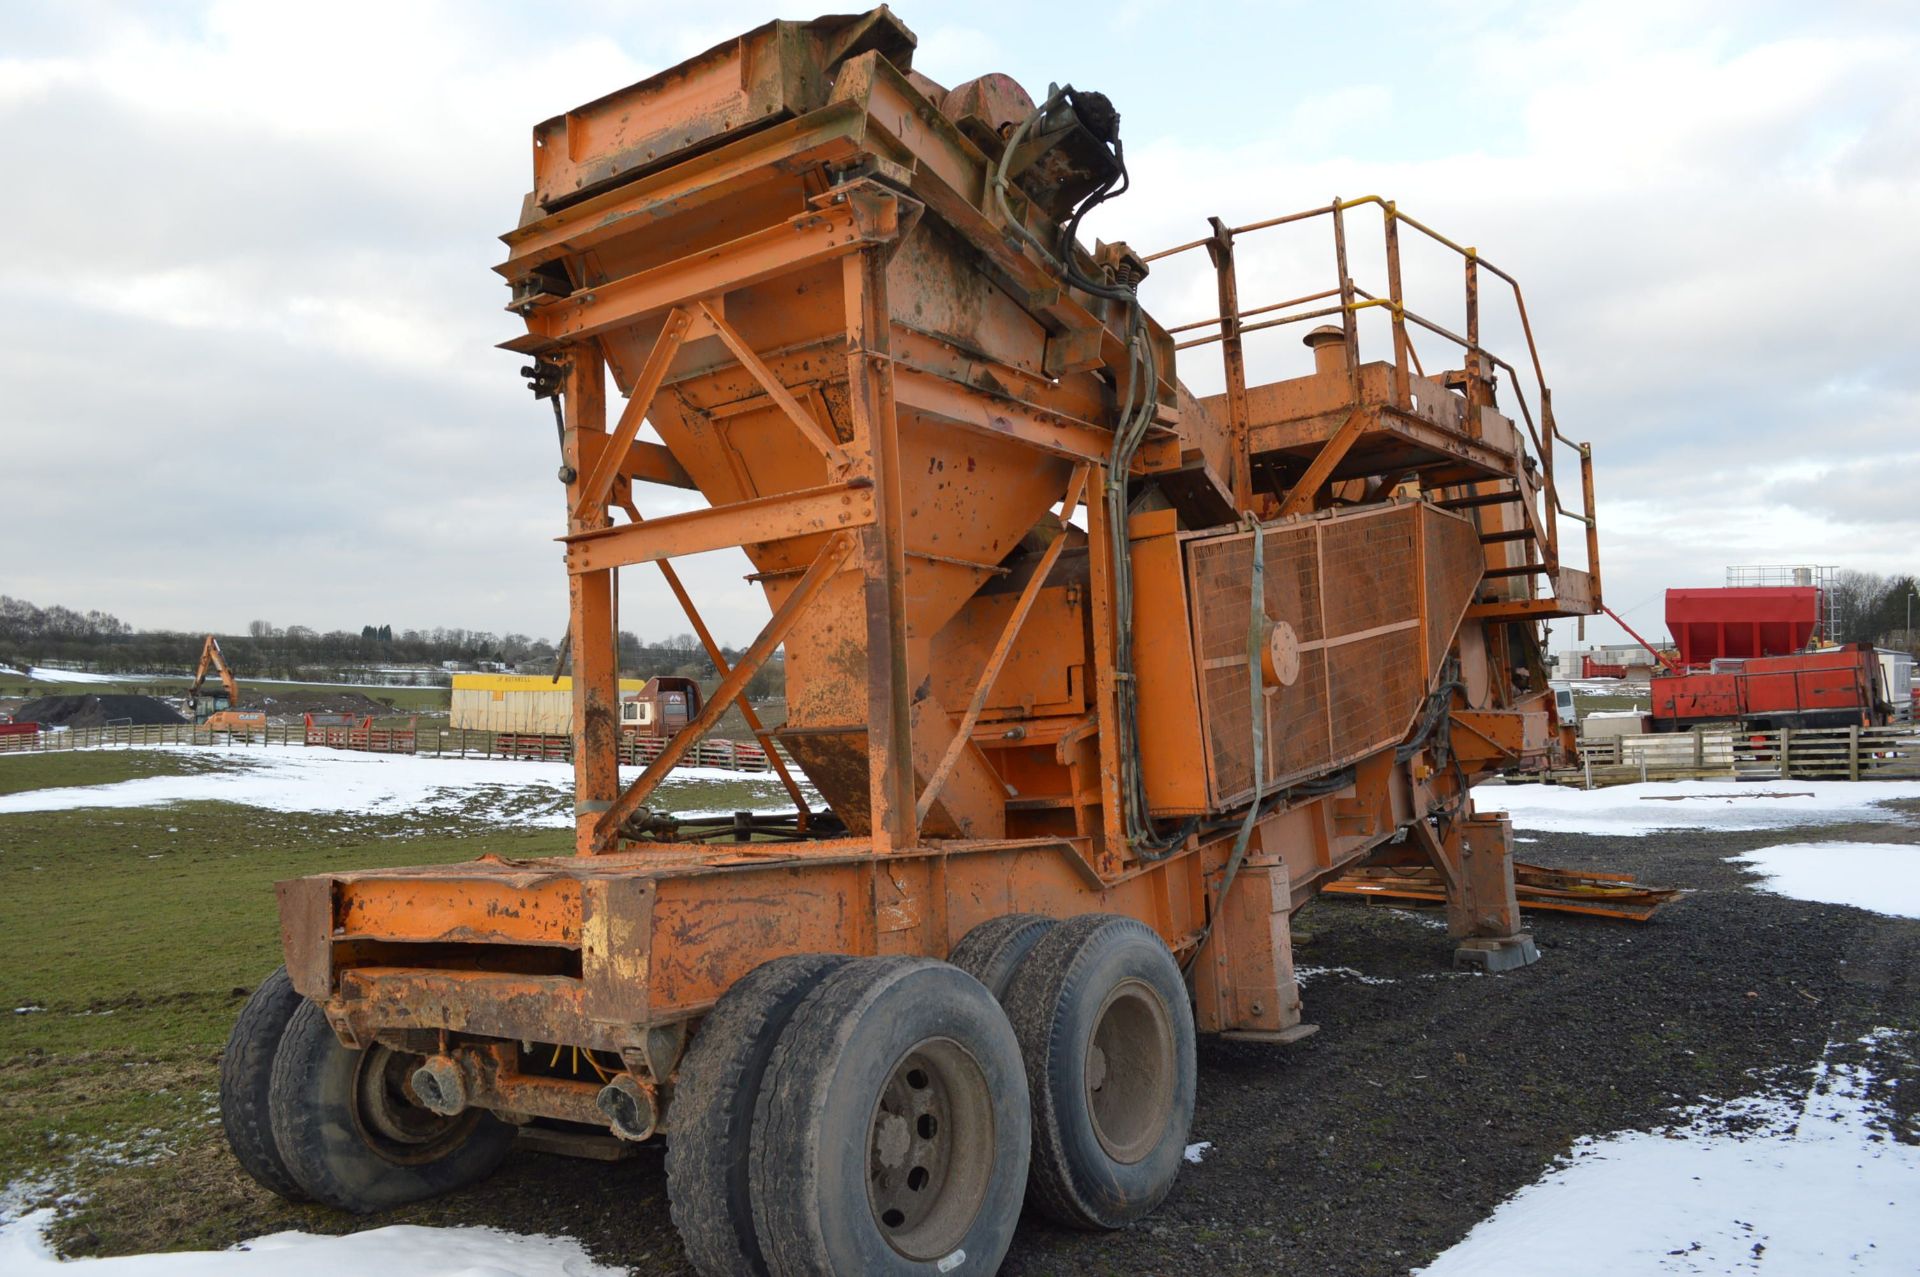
(1275, 1037)
(1496, 954)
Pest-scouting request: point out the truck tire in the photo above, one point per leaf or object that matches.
(890, 1135)
(351, 1137)
(246, 1075)
(991, 951)
(710, 1119)
(1106, 1033)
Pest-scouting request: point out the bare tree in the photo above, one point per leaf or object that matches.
(1856, 597)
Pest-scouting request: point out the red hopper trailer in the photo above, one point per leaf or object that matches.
(1832, 688)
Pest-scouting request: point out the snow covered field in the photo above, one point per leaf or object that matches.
(401, 1249)
(505, 791)
(40, 674)
(1633, 810)
(1808, 1185)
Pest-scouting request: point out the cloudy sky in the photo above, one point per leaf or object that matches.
(248, 368)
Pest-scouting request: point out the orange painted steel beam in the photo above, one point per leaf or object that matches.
(1233, 358)
(721, 668)
(997, 660)
(590, 617)
(1320, 469)
(883, 551)
(815, 236)
(1104, 614)
(469, 909)
(646, 462)
(832, 508)
(1604, 895)
(933, 395)
(830, 135)
(606, 829)
(606, 467)
(801, 418)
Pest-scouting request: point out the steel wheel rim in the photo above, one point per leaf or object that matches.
(1130, 1071)
(390, 1121)
(930, 1149)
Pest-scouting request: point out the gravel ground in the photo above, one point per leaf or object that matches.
(1427, 1096)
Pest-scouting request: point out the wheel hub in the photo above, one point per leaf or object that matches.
(930, 1150)
(391, 1121)
(1130, 1071)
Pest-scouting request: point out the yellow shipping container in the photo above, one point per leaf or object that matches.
(531, 703)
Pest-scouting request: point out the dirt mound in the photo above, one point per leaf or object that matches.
(96, 711)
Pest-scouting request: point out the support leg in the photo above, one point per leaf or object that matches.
(1244, 984)
(596, 713)
(1476, 859)
(882, 552)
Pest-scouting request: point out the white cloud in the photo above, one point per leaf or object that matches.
(1710, 265)
(258, 245)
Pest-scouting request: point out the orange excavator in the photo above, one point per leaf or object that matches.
(204, 706)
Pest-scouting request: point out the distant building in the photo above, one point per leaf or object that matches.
(532, 703)
(1636, 661)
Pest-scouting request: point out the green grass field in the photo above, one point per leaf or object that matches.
(134, 936)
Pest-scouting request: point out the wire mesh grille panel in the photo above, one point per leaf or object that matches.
(1453, 554)
(1359, 591)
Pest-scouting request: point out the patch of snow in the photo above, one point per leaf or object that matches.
(41, 674)
(1431, 918)
(1606, 686)
(1195, 1152)
(20, 1196)
(1633, 810)
(1882, 877)
(1303, 974)
(301, 779)
(1818, 1187)
(401, 1248)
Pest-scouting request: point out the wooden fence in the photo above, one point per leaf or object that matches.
(1803, 753)
(1831, 753)
(371, 740)
(745, 756)
(638, 751)
(133, 735)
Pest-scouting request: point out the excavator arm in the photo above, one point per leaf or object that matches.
(211, 660)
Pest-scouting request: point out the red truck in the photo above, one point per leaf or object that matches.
(1837, 687)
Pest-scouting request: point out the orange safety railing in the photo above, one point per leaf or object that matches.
(1348, 299)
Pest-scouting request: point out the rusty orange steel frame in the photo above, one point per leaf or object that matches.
(807, 268)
